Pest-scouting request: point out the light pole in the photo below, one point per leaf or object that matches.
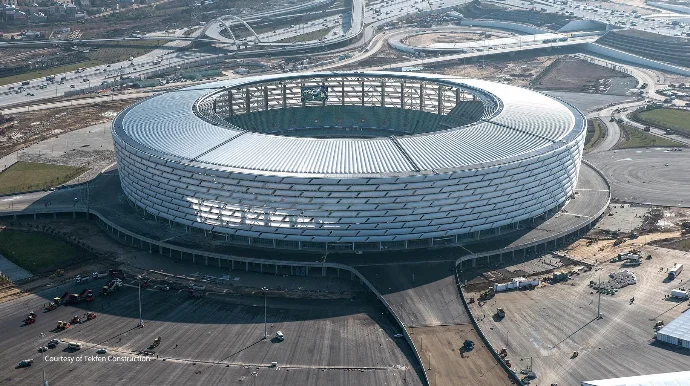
(44, 359)
(265, 324)
(141, 321)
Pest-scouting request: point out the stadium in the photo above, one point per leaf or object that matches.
(350, 161)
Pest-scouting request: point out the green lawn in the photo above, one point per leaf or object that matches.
(674, 119)
(638, 138)
(594, 133)
(38, 252)
(27, 176)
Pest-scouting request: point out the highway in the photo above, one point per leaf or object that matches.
(94, 76)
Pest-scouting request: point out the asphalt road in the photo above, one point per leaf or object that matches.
(641, 175)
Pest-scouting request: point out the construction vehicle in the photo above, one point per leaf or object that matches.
(86, 294)
(79, 279)
(468, 345)
(91, 316)
(117, 273)
(155, 343)
(658, 325)
(62, 325)
(64, 298)
(500, 313)
(73, 299)
(488, 294)
(196, 293)
(575, 354)
(53, 305)
(503, 353)
(111, 286)
(31, 319)
(76, 320)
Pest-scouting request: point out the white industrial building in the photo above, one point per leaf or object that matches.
(677, 332)
(667, 379)
(350, 161)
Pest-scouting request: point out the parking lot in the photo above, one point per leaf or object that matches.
(208, 340)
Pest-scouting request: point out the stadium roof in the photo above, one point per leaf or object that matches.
(526, 125)
(668, 379)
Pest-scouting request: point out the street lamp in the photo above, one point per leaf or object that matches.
(265, 324)
(141, 321)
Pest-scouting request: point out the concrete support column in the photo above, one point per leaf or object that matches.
(193, 258)
(247, 101)
(54, 216)
(383, 93)
(261, 267)
(276, 269)
(34, 216)
(439, 95)
(74, 214)
(323, 271)
(474, 262)
(150, 248)
(170, 250)
(265, 98)
(218, 262)
(307, 271)
(246, 268)
(421, 96)
(160, 249)
(500, 257)
(206, 260)
(232, 264)
(284, 95)
(230, 112)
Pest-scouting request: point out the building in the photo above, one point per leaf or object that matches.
(350, 161)
(677, 332)
(667, 379)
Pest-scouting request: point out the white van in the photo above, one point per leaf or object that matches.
(279, 336)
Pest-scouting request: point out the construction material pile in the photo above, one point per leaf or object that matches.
(617, 280)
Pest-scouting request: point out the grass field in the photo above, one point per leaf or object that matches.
(594, 133)
(103, 55)
(27, 176)
(638, 138)
(674, 119)
(38, 252)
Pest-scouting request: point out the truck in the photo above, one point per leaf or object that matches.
(680, 294)
(675, 271)
(516, 283)
(86, 295)
(73, 299)
(50, 78)
(62, 325)
(25, 83)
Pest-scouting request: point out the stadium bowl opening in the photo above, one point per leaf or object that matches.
(350, 161)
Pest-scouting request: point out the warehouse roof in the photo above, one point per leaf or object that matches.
(668, 379)
(525, 125)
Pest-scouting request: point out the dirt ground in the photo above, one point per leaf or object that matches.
(479, 366)
(603, 250)
(518, 70)
(36, 126)
(576, 75)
